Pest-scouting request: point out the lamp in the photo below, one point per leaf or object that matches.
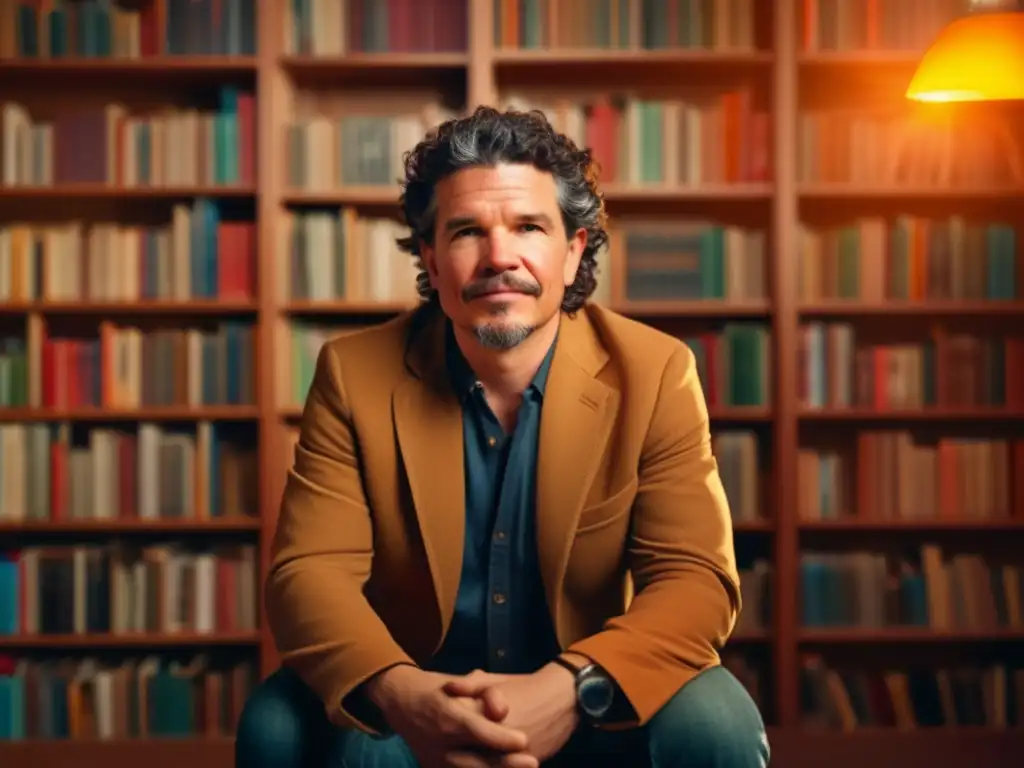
(979, 57)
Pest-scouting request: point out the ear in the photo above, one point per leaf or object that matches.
(428, 258)
(577, 244)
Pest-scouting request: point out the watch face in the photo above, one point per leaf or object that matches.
(596, 694)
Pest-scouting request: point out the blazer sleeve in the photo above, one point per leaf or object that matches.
(325, 629)
(680, 555)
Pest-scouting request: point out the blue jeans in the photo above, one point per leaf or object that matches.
(710, 723)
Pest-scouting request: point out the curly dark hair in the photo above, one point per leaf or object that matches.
(489, 137)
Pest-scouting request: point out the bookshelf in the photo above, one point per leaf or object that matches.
(782, 240)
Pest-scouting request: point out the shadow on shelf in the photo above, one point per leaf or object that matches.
(384, 70)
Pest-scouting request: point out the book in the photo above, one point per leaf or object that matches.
(674, 260)
(64, 472)
(887, 148)
(637, 25)
(117, 146)
(720, 137)
(841, 367)
(138, 697)
(91, 29)
(910, 258)
(339, 27)
(869, 25)
(924, 588)
(895, 475)
(332, 144)
(199, 254)
(123, 589)
(967, 696)
(337, 255)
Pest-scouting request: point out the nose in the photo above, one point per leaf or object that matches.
(500, 251)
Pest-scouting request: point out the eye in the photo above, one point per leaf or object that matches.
(530, 228)
(466, 231)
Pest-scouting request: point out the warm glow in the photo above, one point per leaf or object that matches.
(976, 58)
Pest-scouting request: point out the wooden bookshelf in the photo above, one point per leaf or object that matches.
(778, 64)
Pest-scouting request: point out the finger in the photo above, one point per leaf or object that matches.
(490, 735)
(519, 760)
(463, 759)
(466, 760)
(466, 686)
(495, 705)
(475, 704)
(491, 704)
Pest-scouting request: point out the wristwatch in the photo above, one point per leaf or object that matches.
(595, 691)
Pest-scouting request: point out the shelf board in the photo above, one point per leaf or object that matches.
(112, 65)
(886, 635)
(652, 309)
(960, 525)
(122, 308)
(152, 753)
(737, 414)
(633, 58)
(938, 308)
(362, 61)
(791, 748)
(156, 413)
(110, 74)
(706, 308)
(371, 70)
(23, 193)
(845, 192)
(141, 640)
(753, 526)
(740, 413)
(859, 58)
(892, 748)
(341, 309)
(922, 414)
(614, 194)
(85, 527)
(751, 636)
(577, 68)
(573, 69)
(352, 195)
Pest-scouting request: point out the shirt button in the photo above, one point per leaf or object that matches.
(499, 598)
(492, 441)
(499, 535)
(500, 653)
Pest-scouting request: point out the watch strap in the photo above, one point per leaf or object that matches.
(566, 664)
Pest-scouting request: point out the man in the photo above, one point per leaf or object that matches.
(472, 484)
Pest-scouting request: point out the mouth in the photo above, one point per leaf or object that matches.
(504, 293)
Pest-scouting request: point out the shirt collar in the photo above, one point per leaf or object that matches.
(464, 380)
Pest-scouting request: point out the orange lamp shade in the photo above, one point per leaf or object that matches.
(976, 58)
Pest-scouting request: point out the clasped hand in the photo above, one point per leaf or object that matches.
(480, 720)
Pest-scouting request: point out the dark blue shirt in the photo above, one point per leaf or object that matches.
(501, 623)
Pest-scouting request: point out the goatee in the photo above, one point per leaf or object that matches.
(502, 337)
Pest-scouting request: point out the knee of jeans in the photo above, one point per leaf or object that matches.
(711, 721)
(277, 728)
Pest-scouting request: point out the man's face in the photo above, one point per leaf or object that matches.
(501, 258)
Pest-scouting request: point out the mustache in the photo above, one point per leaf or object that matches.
(502, 282)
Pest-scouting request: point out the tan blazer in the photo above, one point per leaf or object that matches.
(368, 550)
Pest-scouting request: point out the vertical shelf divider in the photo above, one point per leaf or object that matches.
(784, 221)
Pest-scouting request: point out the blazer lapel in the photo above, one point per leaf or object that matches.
(575, 425)
(428, 422)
